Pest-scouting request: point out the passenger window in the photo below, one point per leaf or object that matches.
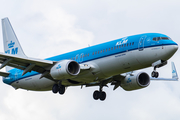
(88, 54)
(119, 46)
(96, 52)
(112, 48)
(129, 44)
(93, 53)
(124, 45)
(133, 43)
(109, 49)
(74, 58)
(103, 50)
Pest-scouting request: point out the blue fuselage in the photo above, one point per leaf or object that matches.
(145, 45)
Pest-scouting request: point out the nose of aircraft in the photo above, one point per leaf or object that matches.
(176, 48)
(170, 50)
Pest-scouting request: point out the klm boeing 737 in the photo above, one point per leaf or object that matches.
(109, 63)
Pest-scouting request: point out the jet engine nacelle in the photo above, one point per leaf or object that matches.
(65, 69)
(135, 81)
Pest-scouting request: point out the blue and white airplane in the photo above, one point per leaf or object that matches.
(111, 62)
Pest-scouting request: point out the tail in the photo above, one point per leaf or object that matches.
(11, 43)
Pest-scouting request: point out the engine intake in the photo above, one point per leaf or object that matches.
(73, 68)
(65, 69)
(143, 79)
(137, 81)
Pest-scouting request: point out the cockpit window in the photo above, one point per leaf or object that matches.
(165, 38)
(161, 38)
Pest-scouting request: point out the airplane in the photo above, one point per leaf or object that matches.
(111, 63)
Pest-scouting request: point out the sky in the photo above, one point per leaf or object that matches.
(50, 27)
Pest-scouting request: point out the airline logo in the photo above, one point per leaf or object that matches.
(12, 49)
(58, 67)
(123, 41)
(173, 71)
(129, 80)
(11, 44)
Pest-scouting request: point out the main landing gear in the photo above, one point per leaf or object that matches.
(58, 88)
(99, 94)
(155, 73)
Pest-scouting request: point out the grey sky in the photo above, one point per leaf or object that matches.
(46, 28)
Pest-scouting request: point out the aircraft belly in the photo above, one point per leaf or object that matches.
(34, 83)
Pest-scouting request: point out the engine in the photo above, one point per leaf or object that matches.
(65, 69)
(135, 81)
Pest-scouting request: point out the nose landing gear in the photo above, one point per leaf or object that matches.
(155, 74)
(157, 64)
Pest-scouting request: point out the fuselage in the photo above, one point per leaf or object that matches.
(106, 59)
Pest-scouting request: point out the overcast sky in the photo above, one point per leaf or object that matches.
(50, 27)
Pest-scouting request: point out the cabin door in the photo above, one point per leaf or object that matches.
(141, 43)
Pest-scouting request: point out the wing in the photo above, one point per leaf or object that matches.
(116, 80)
(26, 64)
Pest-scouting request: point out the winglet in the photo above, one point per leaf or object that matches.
(174, 72)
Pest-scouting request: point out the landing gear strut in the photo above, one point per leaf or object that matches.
(157, 64)
(99, 94)
(155, 73)
(58, 88)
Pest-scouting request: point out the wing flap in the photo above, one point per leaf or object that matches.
(4, 74)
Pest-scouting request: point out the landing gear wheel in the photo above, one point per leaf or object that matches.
(96, 95)
(61, 89)
(99, 95)
(155, 74)
(102, 96)
(55, 88)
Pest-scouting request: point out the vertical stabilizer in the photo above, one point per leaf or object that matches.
(11, 43)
